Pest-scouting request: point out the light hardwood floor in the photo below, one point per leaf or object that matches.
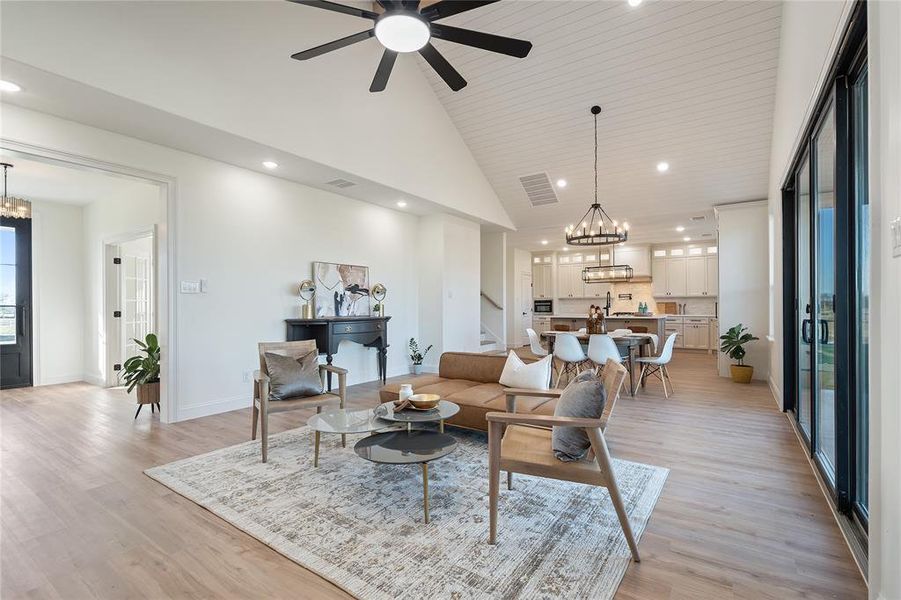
(741, 515)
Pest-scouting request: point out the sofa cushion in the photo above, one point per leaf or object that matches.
(478, 395)
(483, 368)
(447, 387)
(532, 376)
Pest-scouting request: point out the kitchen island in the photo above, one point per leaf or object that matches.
(637, 323)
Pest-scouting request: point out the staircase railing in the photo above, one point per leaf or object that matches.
(492, 301)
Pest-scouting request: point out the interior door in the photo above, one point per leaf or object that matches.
(15, 303)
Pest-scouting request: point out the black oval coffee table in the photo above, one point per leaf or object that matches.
(408, 447)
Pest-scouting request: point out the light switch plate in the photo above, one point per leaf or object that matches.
(190, 287)
(896, 237)
(204, 286)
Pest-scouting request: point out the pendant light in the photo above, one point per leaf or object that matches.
(608, 273)
(12, 207)
(596, 228)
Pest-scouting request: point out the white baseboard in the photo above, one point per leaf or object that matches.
(58, 379)
(94, 379)
(212, 408)
(774, 389)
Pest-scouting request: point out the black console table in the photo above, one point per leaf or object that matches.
(328, 332)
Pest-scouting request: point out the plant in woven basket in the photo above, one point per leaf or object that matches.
(143, 368)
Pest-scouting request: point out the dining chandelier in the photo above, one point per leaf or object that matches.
(608, 273)
(12, 207)
(596, 228)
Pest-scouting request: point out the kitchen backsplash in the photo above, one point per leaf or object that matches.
(641, 292)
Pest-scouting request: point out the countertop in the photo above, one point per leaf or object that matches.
(623, 317)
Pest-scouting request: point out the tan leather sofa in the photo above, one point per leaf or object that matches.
(470, 380)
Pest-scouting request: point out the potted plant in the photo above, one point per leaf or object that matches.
(416, 356)
(733, 345)
(143, 371)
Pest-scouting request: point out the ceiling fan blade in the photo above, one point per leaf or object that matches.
(449, 74)
(320, 50)
(383, 72)
(486, 41)
(347, 10)
(411, 4)
(447, 8)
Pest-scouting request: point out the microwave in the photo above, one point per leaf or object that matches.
(544, 307)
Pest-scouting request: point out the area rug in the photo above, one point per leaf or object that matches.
(359, 524)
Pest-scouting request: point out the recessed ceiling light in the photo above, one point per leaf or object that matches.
(401, 204)
(680, 229)
(565, 249)
(9, 86)
(662, 167)
(561, 183)
(686, 239)
(270, 164)
(634, 3)
(544, 242)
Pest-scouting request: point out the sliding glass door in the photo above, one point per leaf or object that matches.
(827, 292)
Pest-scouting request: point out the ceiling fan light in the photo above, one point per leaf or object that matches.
(402, 32)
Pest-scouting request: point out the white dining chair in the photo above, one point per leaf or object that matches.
(657, 365)
(535, 343)
(568, 350)
(600, 348)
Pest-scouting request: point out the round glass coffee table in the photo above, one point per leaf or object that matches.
(408, 447)
(445, 410)
(344, 422)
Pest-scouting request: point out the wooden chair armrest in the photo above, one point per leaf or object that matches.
(259, 377)
(333, 369)
(542, 420)
(552, 393)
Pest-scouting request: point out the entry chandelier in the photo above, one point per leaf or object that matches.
(596, 228)
(11, 207)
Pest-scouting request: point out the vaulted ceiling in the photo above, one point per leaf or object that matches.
(689, 83)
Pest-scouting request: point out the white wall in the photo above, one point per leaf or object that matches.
(519, 262)
(58, 292)
(810, 31)
(744, 279)
(254, 238)
(104, 220)
(884, 35)
(494, 283)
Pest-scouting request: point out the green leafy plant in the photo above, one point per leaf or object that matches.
(145, 367)
(415, 355)
(733, 342)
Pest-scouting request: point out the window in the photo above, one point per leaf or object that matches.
(677, 252)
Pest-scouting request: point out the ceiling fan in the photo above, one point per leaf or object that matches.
(404, 27)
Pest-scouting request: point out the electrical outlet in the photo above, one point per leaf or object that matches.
(247, 376)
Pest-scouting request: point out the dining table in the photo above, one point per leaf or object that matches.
(627, 345)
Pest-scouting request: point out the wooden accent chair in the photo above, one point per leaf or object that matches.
(262, 405)
(519, 443)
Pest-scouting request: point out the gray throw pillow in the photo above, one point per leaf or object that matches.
(291, 377)
(584, 397)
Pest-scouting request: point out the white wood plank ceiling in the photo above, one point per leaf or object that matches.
(689, 83)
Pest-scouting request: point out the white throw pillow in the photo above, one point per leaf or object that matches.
(534, 376)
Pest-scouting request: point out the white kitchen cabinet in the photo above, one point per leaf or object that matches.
(675, 277)
(542, 281)
(696, 333)
(714, 334)
(637, 257)
(569, 281)
(540, 324)
(713, 275)
(658, 277)
(696, 275)
(675, 325)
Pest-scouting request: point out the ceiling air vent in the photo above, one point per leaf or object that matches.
(699, 218)
(341, 183)
(539, 189)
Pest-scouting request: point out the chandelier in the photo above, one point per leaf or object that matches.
(12, 207)
(607, 273)
(596, 228)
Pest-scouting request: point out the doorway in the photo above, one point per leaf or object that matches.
(525, 302)
(15, 303)
(129, 282)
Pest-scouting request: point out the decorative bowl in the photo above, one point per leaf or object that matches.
(424, 401)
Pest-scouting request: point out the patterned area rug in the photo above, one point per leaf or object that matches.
(359, 524)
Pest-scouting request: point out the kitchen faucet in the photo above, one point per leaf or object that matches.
(607, 308)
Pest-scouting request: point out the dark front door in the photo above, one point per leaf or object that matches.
(15, 303)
